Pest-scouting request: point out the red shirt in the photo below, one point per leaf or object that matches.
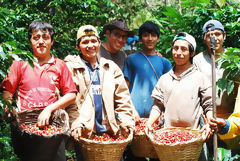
(39, 86)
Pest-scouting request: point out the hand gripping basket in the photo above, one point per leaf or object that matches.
(189, 150)
(141, 146)
(104, 151)
(30, 146)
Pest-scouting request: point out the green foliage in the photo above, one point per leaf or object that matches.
(230, 61)
(68, 16)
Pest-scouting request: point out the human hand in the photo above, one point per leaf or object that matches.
(9, 114)
(127, 128)
(148, 128)
(158, 54)
(217, 123)
(207, 132)
(43, 118)
(77, 133)
(137, 118)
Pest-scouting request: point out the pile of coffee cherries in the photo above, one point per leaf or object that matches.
(171, 137)
(104, 137)
(46, 130)
(141, 125)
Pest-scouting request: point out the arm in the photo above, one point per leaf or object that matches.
(228, 129)
(8, 97)
(155, 114)
(122, 100)
(63, 102)
(68, 90)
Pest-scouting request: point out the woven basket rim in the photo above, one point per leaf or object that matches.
(129, 139)
(64, 132)
(199, 139)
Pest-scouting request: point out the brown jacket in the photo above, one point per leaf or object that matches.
(115, 95)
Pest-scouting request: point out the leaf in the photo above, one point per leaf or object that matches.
(2, 54)
(171, 12)
(222, 84)
(221, 3)
(5, 140)
(230, 86)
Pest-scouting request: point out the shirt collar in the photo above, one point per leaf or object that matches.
(185, 73)
(52, 60)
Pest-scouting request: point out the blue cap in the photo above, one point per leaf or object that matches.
(212, 25)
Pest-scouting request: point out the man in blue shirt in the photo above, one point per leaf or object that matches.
(143, 69)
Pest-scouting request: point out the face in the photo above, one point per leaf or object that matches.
(89, 46)
(180, 52)
(116, 39)
(149, 40)
(219, 39)
(41, 43)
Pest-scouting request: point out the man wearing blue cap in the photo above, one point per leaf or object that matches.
(224, 102)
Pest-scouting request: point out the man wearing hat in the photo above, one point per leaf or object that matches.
(224, 103)
(103, 98)
(183, 93)
(117, 33)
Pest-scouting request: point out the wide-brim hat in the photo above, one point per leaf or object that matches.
(120, 24)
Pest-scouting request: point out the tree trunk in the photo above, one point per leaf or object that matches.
(180, 7)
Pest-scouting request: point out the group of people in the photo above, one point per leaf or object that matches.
(104, 90)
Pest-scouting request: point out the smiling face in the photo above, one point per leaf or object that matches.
(181, 54)
(41, 43)
(219, 39)
(89, 46)
(149, 40)
(116, 39)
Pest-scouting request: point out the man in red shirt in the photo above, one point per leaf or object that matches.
(41, 86)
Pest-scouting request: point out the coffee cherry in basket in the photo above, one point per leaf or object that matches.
(141, 125)
(175, 137)
(104, 137)
(46, 130)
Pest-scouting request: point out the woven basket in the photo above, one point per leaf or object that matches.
(103, 151)
(178, 151)
(142, 147)
(59, 119)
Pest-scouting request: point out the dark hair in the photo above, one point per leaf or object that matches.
(40, 25)
(149, 27)
(191, 49)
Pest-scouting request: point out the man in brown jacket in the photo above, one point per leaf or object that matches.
(103, 97)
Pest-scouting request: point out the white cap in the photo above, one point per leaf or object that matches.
(185, 36)
(87, 30)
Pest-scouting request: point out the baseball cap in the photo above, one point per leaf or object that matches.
(120, 24)
(185, 36)
(212, 25)
(87, 30)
